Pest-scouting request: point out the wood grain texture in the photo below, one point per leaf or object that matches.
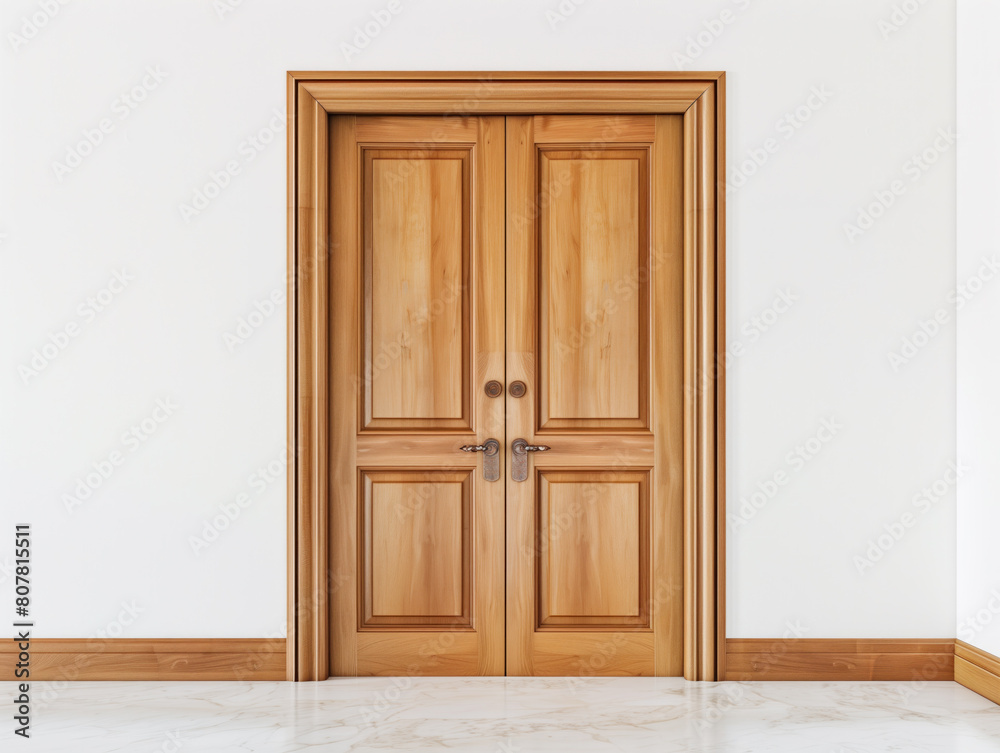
(592, 131)
(520, 354)
(835, 659)
(579, 313)
(610, 654)
(593, 289)
(310, 394)
(704, 346)
(429, 527)
(490, 76)
(593, 554)
(423, 97)
(345, 312)
(229, 659)
(977, 670)
(417, 329)
(416, 654)
(667, 424)
(417, 553)
(977, 679)
(429, 130)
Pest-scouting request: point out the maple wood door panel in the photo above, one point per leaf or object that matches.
(416, 554)
(593, 570)
(416, 531)
(417, 220)
(594, 331)
(593, 242)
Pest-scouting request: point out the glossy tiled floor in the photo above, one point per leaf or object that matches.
(508, 715)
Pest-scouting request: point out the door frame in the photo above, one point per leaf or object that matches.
(314, 96)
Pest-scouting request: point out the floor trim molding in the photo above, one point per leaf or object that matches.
(977, 670)
(69, 659)
(233, 659)
(831, 659)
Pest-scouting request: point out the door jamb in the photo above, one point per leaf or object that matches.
(312, 97)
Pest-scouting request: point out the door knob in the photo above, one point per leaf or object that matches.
(491, 457)
(519, 449)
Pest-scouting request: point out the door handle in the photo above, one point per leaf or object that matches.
(519, 450)
(491, 457)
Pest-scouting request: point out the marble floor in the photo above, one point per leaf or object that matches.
(506, 715)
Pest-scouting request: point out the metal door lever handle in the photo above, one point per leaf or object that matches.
(480, 448)
(521, 446)
(519, 450)
(491, 457)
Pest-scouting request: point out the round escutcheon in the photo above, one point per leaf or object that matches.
(493, 388)
(517, 389)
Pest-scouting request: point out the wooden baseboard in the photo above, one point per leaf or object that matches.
(55, 659)
(836, 659)
(977, 670)
(154, 659)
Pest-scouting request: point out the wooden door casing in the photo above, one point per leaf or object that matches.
(315, 568)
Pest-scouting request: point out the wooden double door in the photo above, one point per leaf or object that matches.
(506, 408)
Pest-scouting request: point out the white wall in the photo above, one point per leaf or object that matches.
(868, 99)
(978, 341)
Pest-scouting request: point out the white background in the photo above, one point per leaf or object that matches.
(888, 91)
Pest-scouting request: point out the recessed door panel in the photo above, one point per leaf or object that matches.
(593, 549)
(593, 288)
(416, 326)
(416, 554)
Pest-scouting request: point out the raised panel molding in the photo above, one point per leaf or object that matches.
(592, 550)
(416, 329)
(593, 288)
(416, 553)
